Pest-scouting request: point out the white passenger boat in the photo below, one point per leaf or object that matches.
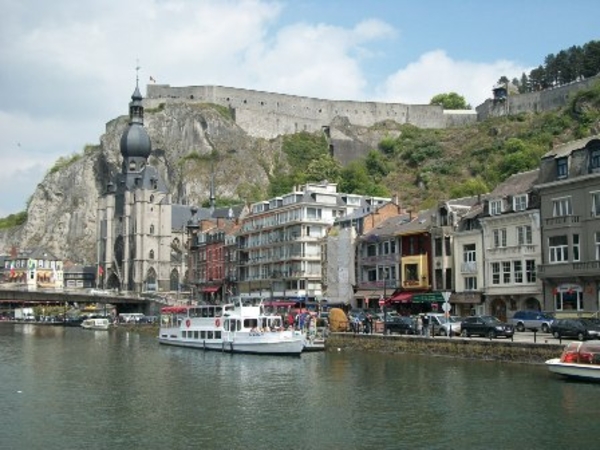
(578, 360)
(238, 327)
(97, 323)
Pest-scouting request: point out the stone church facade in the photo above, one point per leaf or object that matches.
(141, 234)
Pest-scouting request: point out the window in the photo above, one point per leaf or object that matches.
(530, 273)
(448, 246)
(495, 207)
(561, 207)
(558, 249)
(595, 158)
(499, 237)
(518, 271)
(411, 272)
(470, 283)
(313, 213)
(524, 235)
(595, 204)
(151, 255)
(495, 273)
(506, 272)
(575, 247)
(372, 250)
(571, 299)
(151, 229)
(520, 202)
(597, 239)
(438, 247)
(562, 166)
(469, 254)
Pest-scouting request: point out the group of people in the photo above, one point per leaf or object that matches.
(365, 324)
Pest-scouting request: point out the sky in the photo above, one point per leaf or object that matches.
(67, 67)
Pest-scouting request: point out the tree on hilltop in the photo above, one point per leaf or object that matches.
(450, 100)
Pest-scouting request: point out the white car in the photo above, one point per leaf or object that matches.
(441, 325)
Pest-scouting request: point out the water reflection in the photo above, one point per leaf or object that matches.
(120, 390)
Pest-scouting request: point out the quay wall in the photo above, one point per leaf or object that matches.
(497, 349)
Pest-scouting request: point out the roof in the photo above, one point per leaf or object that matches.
(519, 183)
(566, 149)
(387, 228)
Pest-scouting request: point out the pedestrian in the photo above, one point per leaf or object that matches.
(426, 325)
(419, 325)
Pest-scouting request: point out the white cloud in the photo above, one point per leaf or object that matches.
(435, 73)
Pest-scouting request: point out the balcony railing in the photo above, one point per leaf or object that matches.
(562, 220)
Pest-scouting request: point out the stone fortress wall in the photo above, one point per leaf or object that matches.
(541, 101)
(267, 115)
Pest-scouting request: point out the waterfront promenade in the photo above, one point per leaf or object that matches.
(524, 347)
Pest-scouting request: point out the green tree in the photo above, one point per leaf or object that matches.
(450, 100)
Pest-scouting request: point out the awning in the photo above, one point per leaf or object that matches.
(401, 297)
(211, 289)
(428, 297)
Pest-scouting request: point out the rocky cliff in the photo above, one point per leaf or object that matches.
(190, 141)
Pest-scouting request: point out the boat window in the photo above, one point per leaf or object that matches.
(210, 335)
(194, 312)
(203, 335)
(195, 334)
(218, 311)
(250, 323)
(217, 335)
(211, 311)
(204, 312)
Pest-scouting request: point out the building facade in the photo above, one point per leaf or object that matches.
(569, 189)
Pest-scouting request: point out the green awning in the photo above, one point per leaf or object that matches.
(429, 297)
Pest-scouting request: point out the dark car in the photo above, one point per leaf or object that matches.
(532, 320)
(488, 326)
(581, 329)
(401, 325)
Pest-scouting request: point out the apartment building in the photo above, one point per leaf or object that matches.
(280, 241)
(569, 190)
(510, 224)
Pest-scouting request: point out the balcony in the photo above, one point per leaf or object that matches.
(569, 270)
(468, 267)
(561, 221)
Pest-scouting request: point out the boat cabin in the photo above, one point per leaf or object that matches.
(582, 353)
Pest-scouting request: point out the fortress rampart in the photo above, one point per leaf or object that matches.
(267, 115)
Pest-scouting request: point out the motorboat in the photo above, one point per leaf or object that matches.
(579, 360)
(96, 323)
(237, 327)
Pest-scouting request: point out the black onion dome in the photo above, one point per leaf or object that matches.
(135, 141)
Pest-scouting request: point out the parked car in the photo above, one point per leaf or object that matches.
(440, 324)
(401, 325)
(531, 320)
(489, 326)
(578, 328)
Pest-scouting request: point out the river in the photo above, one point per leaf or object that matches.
(69, 388)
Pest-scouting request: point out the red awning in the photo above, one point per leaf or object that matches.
(211, 289)
(401, 297)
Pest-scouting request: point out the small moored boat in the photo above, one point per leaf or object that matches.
(96, 323)
(238, 327)
(579, 360)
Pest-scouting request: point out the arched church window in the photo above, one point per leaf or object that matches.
(151, 256)
(151, 198)
(151, 229)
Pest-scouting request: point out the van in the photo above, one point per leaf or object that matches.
(531, 320)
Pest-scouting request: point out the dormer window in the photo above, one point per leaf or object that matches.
(520, 202)
(562, 166)
(495, 207)
(595, 159)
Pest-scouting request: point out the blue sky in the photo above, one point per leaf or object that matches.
(67, 67)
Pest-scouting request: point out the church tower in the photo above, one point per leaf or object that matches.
(135, 217)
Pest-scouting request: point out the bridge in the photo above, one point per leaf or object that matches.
(18, 298)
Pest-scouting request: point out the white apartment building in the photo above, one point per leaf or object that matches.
(279, 242)
(512, 245)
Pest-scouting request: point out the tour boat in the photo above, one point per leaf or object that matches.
(97, 323)
(237, 327)
(578, 360)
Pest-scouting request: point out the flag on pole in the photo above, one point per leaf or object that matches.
(152, 80)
